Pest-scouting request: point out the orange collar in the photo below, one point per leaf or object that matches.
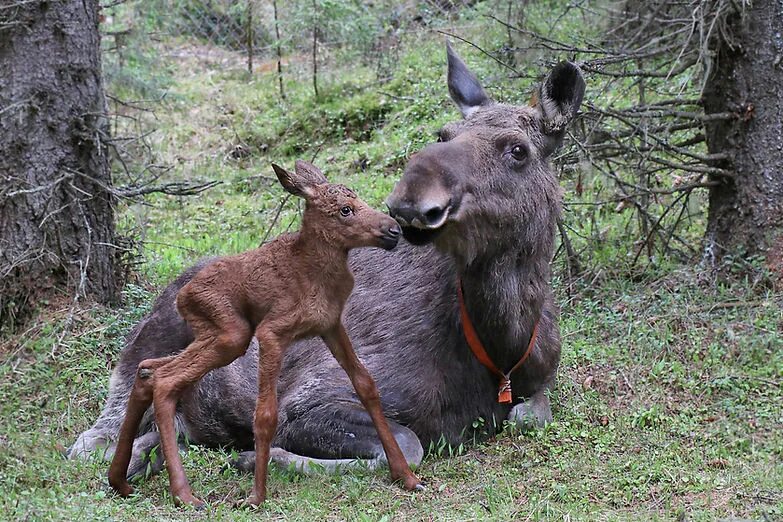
(504, 388)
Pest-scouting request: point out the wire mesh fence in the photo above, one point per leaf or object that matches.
(637, 151)
(257, 31)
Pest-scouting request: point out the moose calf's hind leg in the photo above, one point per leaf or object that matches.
(138, 402)
(204, 354)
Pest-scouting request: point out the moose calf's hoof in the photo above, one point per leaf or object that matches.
(410, 482)
(253, 501)
(122, 487)
(187, 499)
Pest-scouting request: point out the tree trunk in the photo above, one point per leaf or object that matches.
(56, 215)
(746, 77)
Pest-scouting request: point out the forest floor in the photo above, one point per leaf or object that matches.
(669, 404)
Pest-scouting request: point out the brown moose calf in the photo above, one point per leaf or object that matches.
(292, 288)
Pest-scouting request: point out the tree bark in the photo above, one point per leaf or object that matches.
(746, 77)
(56, 215)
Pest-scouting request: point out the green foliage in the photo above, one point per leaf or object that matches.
(214, 22)
(668, 400)
(674, 414)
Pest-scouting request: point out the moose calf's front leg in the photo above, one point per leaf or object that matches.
(270, 352)
(340, 345)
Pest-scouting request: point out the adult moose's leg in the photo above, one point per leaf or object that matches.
(347, 441)
(535, 412)
(270, 358)
(138, 402)
(340, 345)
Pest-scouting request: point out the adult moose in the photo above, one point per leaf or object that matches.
(479, 208)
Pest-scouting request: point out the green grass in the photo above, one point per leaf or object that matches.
(221, 124)
(668, 405)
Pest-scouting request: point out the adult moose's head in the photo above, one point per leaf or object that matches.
(488, 182)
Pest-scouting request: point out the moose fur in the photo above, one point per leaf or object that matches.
(481, 207)
(292, 288)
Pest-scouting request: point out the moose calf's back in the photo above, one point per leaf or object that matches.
(286, 278)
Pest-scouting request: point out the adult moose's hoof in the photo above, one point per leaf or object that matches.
(535, 413)
(245, 461)
(147, 457)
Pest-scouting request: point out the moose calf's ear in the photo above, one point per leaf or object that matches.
(559, 97)
(288, 180)
(309, 173)
(464, 87)
(302, 181)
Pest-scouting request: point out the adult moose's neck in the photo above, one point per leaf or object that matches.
(504, 295)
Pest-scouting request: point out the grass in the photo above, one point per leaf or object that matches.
(668, 405)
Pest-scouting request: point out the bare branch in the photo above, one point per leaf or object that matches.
(176, 188)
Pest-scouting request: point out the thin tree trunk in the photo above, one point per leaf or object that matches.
(56, 215)
(746, 210)
(250, 36)
(643, 173)
(279, 52)
(315, 48)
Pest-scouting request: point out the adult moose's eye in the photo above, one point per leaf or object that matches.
(519, 152)
(346, 211)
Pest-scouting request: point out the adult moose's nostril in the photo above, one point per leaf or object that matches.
(427, 215)
(403, 214)
(435, 216)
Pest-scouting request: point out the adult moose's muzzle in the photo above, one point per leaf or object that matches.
(429, 193)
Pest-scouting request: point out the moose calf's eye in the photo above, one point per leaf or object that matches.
(519, 152)
(346, 211)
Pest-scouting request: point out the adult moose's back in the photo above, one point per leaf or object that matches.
(480, 209)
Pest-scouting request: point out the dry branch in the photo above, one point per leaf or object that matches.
(644, 127)
(176, 188)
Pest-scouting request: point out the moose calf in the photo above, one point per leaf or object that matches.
(292, 288)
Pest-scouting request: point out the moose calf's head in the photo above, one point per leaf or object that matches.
(335, 212)
(487, 180)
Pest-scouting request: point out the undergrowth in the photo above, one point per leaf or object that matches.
(668, 404)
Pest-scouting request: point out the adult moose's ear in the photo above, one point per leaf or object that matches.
(558, 100)
(464, 87)
(301, 182)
